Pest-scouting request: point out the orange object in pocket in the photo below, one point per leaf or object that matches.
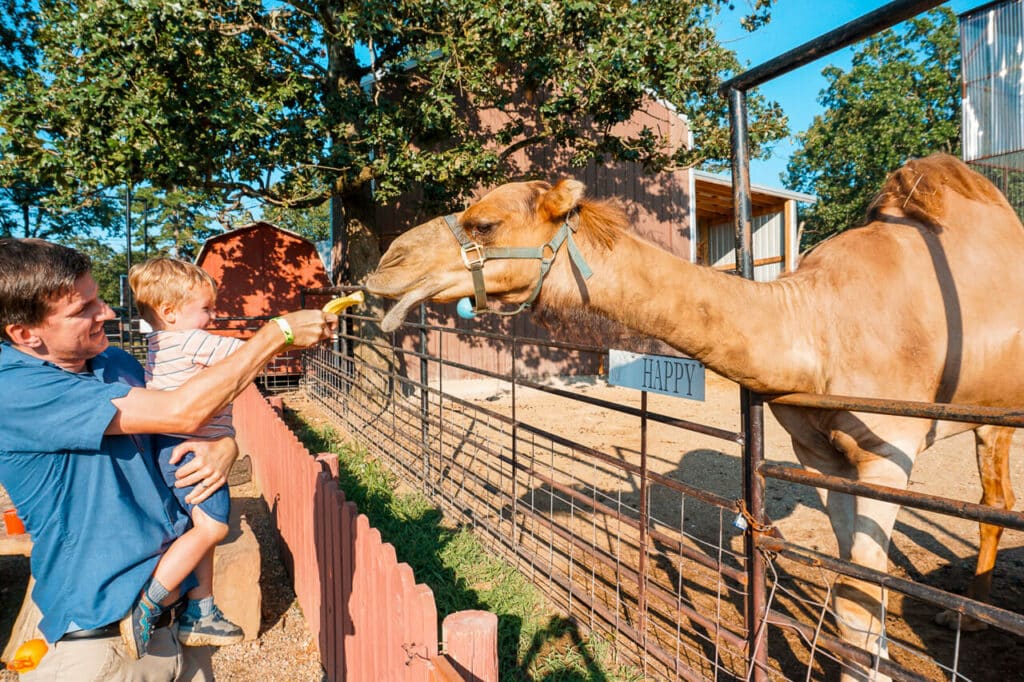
(28, 655)
(13, 523)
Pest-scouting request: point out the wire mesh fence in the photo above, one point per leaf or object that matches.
(638, 546)
(574, 518)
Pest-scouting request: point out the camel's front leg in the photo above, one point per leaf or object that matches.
(992, 445)
(863, 527)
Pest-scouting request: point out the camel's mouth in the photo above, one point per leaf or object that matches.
(412, 296)
(394, 318)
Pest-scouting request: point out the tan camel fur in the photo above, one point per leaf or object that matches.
(924, 302)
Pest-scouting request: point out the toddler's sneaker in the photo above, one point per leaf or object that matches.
(213, 629)
(137, 626)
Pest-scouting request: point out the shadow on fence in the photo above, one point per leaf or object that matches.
(369, 617)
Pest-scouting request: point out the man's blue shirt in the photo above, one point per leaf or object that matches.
(96, 506)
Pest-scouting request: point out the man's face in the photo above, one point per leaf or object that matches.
(72, 332)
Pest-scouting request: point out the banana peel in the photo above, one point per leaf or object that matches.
(335, 306)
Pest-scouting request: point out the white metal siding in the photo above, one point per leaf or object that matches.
(768, 242)
(993, 77)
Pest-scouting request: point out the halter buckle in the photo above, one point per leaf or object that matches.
(473, 256)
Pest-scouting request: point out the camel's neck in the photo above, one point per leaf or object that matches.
(753, 333)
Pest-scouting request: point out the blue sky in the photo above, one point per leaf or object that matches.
(794, 22)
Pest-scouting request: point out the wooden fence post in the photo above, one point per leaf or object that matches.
(471, 642)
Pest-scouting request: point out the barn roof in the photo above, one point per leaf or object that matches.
(262, 270)
(236, 232)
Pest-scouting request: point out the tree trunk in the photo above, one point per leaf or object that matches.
(355, 246)
(339, 240)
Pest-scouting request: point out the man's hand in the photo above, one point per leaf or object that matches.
(208, 470)
(310, 327)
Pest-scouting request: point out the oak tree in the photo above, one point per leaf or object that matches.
(899, 100)
(291, 103)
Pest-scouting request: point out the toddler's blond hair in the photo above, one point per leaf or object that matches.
(166, 282)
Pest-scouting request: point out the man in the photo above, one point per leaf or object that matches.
(79, 468)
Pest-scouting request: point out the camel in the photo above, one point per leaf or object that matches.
(923, 302)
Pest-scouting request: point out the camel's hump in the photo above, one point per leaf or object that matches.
(919, 188)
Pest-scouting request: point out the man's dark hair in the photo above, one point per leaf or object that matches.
(33, 274)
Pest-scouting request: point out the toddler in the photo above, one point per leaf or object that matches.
(177, 300)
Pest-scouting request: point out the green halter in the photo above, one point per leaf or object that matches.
(474, 256)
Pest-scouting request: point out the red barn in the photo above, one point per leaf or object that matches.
(261, 271)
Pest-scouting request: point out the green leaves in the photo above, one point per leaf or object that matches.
(289, 102)
(899, 100)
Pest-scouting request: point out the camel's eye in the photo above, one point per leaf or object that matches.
(483, 230)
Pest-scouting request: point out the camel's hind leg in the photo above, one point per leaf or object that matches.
(992, 445)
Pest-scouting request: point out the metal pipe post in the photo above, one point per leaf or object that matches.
(751, 405)
(752, 409)
(743, 212)
(644, 529)
(514, 427)
(424, 394)
(128, 256)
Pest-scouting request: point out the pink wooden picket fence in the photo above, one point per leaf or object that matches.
(369, 617)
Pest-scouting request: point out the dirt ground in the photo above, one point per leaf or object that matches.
(930, 548)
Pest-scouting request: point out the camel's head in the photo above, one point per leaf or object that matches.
(428, 262)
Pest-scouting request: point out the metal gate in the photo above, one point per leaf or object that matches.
(683, 579)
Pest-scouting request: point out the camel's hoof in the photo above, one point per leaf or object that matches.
(951, 619)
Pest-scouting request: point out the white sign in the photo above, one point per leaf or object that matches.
(680, 377)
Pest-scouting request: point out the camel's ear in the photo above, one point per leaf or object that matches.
(562, 198)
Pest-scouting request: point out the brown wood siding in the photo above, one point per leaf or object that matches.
(658, 205)
(490, 354)
(659, 210)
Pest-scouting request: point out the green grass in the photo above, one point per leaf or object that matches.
(533, 642)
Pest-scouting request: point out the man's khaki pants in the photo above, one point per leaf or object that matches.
(105, 660)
